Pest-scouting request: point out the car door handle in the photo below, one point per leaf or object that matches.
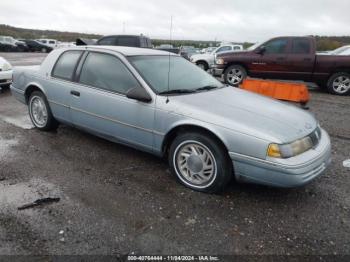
(74, 93)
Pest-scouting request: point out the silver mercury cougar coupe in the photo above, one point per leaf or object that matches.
(161, 103)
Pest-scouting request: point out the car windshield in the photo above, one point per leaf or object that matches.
(184, 77)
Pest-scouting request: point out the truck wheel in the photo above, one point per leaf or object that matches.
(339, 84)
(200, 162)
(202, 65)
(40, 112)
(234, 75)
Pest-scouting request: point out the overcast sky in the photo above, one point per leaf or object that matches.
(226, 20)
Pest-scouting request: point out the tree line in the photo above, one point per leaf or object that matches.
(324, 43)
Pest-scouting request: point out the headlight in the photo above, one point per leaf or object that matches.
(292, 149)
(6, 67)
(219, 61)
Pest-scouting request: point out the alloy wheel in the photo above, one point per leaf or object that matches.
(235, 76)
(195, 164)
(38, 111)
(341, 84)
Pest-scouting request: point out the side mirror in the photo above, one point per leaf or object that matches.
(260, 50)
(140, 94)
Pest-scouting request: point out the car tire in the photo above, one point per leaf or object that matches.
(339, 84)
(43, 50)
(200, 162)
(40, 112)
(202, 65)
(234, 75)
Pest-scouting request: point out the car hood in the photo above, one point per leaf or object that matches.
(248, 113)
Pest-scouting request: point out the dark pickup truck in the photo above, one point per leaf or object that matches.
(287, 58)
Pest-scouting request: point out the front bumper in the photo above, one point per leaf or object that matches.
(5, 78)
(291, 172)
(216, 71)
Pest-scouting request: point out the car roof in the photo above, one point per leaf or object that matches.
(124, 50)
(138, 36)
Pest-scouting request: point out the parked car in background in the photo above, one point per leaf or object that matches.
(36, 46)
(208, 50)
(289, 58)
(49, 42)
(345, 52)
(205, 61)
(6, 46)
(160, 103)
(173, 50)
(340, 51)
(165, 46)
(126, 40)
(188, 51)
(22, 46)
(9, 44)
(5, 73)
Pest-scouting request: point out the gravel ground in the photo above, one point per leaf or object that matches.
(116, 200)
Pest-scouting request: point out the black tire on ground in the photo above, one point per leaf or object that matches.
(203, 65)
(44, 50)
(234, 75)
(339, 84)
(217, 157)
(51, 123)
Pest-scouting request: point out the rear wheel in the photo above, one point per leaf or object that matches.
(339, 84)
(199, 162)
(40, 112)
(234, 75)
(43, 50)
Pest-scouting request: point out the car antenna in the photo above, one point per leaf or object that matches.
(171, 30)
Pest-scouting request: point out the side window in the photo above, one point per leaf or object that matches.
(278, 46)
(236, 47)
(107, 72)
(301, 46)
(51, 42)
(128, 41)
(107, 41)
(224, 48)
(65, 65)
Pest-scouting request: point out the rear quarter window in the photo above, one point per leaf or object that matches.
(65, 65)
(301, 46)
(107, 41)
(129, 41)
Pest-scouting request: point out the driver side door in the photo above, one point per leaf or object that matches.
(99, 103)
(273, 61)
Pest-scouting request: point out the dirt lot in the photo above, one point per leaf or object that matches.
(116, 200)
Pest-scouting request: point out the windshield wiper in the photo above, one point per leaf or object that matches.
(209, 87)
(177, 91)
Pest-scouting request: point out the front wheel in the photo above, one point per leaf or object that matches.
(199, 162)
(234, 75)
(339, 84)
(40, 112)
(203, 65)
